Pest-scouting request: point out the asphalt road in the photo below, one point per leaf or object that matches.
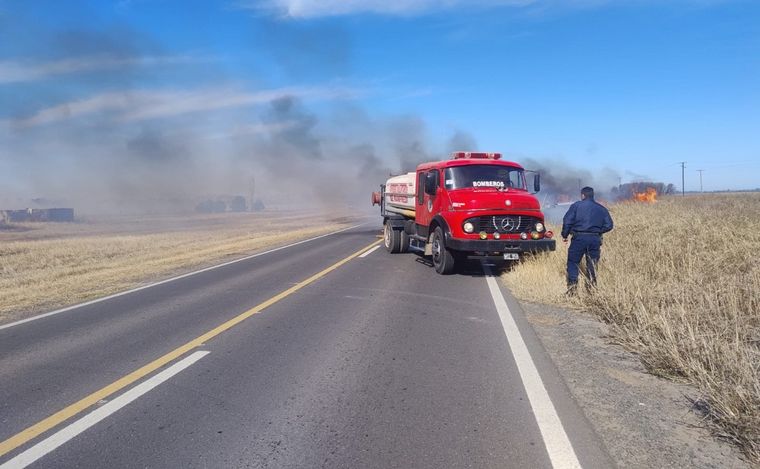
(377, 362)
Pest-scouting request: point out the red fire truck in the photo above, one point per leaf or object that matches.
(472, 206)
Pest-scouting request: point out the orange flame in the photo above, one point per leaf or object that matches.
(650, 196)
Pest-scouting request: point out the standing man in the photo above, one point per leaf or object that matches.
(586, 220)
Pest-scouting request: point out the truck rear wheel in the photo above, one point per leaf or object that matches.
(443, 259)
(391, 239)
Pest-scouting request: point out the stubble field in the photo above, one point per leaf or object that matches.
(679, 283)
(49, 265)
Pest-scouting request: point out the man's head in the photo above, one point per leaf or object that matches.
(587, 193)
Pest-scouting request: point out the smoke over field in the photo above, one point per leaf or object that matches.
(107, 121)
(294, 155)
(560, 180)
(112, 121)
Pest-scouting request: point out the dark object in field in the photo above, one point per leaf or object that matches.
(211, 206)
(38, 214)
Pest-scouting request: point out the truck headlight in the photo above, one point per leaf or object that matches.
(540, 227)
(469, 227)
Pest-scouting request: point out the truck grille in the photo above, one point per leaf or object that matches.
(504, 223)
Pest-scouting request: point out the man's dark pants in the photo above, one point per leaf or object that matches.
(588, 245)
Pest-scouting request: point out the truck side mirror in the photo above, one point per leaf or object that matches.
(431, 182)
(536, 182)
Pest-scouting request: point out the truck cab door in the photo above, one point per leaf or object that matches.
(427, 188)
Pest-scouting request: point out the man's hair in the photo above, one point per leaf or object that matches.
(588, 192)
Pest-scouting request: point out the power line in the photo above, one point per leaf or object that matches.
(683, 178)
(729, 164)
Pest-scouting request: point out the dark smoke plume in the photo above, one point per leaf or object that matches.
(409, 142)
(295, 136)
(562, 182)
(461, 141)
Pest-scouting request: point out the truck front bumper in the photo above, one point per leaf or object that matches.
(507, 245)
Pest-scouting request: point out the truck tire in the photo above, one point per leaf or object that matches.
(443, 259)
(391, 239)
(404, 243)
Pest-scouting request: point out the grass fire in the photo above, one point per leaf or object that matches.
(650, 195)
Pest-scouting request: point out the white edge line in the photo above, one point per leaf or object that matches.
(561, 452)
(367, 253)
(67, 433)
(161, 282)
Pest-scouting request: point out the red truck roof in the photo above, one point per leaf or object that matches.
(461, 158)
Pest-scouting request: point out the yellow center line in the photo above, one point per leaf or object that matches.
(44, 425)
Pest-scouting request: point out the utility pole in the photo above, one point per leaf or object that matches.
(683, 178)
(700, 179)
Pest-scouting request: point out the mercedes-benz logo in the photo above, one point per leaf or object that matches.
(508, 224)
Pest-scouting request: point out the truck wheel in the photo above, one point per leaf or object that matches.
(391, 239)
(404, 241)
(443, 260)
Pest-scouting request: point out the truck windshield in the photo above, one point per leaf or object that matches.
(481, 175)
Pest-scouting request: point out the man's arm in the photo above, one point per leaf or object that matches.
(568, 221)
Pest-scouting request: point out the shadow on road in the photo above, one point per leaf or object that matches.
(469, 267)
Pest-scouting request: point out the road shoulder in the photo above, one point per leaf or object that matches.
(643, 420)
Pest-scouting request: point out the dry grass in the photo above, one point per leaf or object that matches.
(47, 265)
(679, 282)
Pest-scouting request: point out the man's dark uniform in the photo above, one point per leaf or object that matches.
(586, 220)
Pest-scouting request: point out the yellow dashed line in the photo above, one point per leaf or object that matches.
(44, 425)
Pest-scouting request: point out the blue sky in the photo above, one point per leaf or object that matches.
(628, 87)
